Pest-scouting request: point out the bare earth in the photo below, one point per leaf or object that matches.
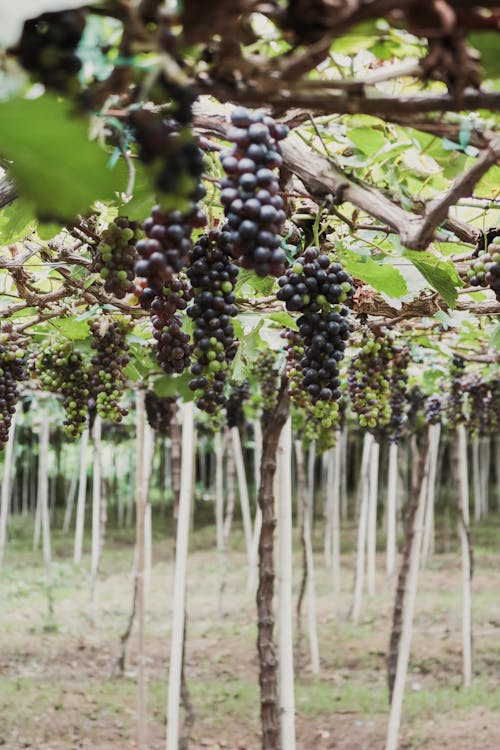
(59, 688)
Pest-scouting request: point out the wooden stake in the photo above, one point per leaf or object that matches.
(286, 672)
(80, 503)
(363, 491)
(6, 486)
(180, 571)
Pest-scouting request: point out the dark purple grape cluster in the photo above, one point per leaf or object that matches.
(12, 371)
(250, 191)
(238, 394)
(266, 374)
(160, 410)
(61, 369)
(478, 405)
(107, 372)
(317, 288)
(433, 409)
(47, 49)
(164, 251)
(455, 404)
(212, 276)
(173, 348)
(116, 256)
(369, 380)
(170, 148)
(416, 407)
(485, 267)
(398, 386)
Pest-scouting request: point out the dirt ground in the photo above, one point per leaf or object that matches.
(59, 688)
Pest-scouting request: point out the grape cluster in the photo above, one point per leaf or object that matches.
(116, 256)
(416, 406)
(369, 380)
(250, 191)
(317, 288)
(47, 48)
(478, 405)
(455, 403)
(12, 363)
(266, 374)
(61, 369)
(173, 348)
(398, 386)
(107, 376)
(160, 410)
(485, 268)
(238, 394)
(433, 410)
(212, 277)
(164, 250)
(170, 149)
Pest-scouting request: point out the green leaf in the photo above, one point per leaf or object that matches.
(368, 140)
(487, 44)
(48, 229)
(54, 163)
(263, 285)
(171, 386)
(165, 386)
(495, 338)
(143, 200)
(441, 275)
(17, 220)
(248, 351)
(284, 319)
(71, 328)
(384, 278)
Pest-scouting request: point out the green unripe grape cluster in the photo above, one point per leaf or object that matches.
(116, 256)
(369, 380)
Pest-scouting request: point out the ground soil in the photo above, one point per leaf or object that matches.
(59, 688)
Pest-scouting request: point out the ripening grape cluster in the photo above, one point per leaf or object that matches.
(455, 402)
(238, 394)
(47, 48)
(369, 380)
(107, 376)
(250, 191)
(398, 386)
(116, 256)
(478, 404)
(265, 371)
(433, 410)
(61, 369)
(160, 410)
(12, 363)
(173, 347)
(170, 149)
(317, 288)
(212, 276)
(485, 268)
(416, 406)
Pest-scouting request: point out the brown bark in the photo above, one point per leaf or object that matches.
(273, 422)
(397, 616)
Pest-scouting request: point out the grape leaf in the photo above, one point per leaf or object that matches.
(250, 346)
(17, 221)
(441, 275)
(284, 319)
(383, 278)
(495, 338)
(54, 163)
